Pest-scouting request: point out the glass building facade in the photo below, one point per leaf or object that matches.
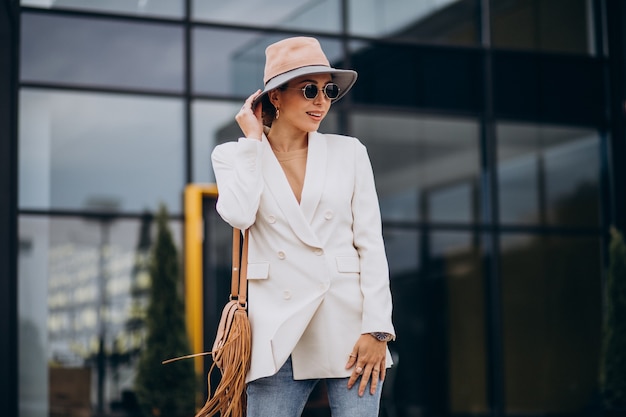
(496, 134)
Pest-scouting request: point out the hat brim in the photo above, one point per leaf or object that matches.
(345, 79)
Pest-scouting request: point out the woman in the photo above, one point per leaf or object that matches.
(318, 285)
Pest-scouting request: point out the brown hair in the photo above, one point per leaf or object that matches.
(268, 112)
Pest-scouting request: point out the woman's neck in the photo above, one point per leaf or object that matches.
(285, 140)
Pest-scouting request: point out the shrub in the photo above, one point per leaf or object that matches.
(165, 390)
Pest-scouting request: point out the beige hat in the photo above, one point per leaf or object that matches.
(294, 57)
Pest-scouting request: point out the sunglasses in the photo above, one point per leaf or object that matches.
(310, 91)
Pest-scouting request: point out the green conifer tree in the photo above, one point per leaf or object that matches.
(613, 365)
(165, 390)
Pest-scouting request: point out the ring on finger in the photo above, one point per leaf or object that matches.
(359, 370)
(353, 356)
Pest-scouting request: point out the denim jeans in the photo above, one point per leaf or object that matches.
(280, 395)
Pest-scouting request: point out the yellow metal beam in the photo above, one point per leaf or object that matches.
(194, 239)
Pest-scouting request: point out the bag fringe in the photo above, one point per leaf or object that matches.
(229, 399)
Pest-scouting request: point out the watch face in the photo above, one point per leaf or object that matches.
(383, 337)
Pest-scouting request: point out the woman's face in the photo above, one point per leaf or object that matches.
(303, 114)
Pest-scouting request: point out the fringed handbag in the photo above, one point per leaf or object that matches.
(232, 347)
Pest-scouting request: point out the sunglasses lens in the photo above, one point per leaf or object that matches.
(331, 90)
(310, 91)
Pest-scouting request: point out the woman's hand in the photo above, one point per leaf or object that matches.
(250, 120)
(368, 358)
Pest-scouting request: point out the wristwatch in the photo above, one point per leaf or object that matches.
(382, 337)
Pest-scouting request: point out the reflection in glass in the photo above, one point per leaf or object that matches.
(414, 156)
(81, 280)
(406, 376)
(313, 15)
(101, 52)
(401, 206)
(437, 287)
(155, 8)
(548, 175)
(228, 62)
(76, 148)
(554, 25)
(457, 260)
(213, 123)
(572, 182)
(403, 249)
(431, 21)
(551, 289)
(518, 191)
(450, 203)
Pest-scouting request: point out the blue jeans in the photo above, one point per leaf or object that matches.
(280, 395)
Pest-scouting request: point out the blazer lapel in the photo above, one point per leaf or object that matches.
(315, 175)
(278, 185)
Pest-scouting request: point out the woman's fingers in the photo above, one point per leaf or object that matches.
(368, 360)
(367, 372)
(250, 120)
(374, 380)
(365, 377)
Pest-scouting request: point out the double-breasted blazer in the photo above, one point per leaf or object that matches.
(317, 270)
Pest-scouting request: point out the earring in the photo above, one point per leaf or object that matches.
(277, 114)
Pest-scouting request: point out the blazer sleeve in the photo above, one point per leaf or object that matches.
(368, 240)
(237, 167)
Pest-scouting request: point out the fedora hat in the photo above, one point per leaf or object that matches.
(293, 57)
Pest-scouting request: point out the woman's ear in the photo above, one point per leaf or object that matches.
(273, 96)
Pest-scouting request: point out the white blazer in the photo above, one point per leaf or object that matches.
(317, 271)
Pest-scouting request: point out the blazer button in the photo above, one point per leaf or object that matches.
(319, 252)
(328, 215)
(287, 294)
(271, 219)
(281, 255)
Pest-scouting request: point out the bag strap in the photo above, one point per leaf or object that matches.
(239, 284)
(239, 279)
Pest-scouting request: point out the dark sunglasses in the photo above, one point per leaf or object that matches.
(310, 91)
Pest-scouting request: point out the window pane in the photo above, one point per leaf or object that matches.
(437, 287)
(456, 260)
(433, 21)
(551, 289)
(78, 150)
(307, 15)
(68, 269)
(101, 52)
(420, 76)
(550, 88)
(413, 156)
(450, 203)
(213, 122)
(546, 25)
(548, 175)
(231, 63)
(154, 8)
